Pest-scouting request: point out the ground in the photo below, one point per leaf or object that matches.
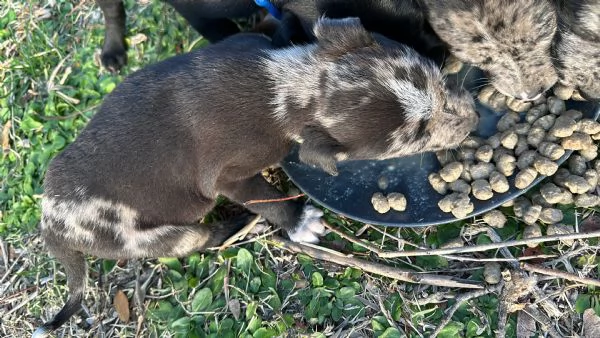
(52, 84)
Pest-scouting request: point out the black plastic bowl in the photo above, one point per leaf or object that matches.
(350, 192)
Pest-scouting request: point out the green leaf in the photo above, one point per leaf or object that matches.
(108, 265)
(181, 325)
(317, 279)
(452, 330)
(244, 260)
(161, 311)
(345, 293)
(202, 300)
(391, 332)
(583, 303)
(254, 324)
(172, 263)
(251, 309)
(265, 333)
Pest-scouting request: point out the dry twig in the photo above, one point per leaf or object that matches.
(560, 274)
(376, 268)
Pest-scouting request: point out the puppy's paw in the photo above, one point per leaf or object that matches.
(309, 228)
(113, 57)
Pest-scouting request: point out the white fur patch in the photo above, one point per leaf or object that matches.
(75, 212)
(418, 104)
(309, 227)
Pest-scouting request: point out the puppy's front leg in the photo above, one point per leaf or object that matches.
(302, 223)
(114, 50)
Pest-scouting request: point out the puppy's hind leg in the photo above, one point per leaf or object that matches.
(75, 268)
(302, 223)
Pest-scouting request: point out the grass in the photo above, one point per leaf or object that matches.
(52, 84)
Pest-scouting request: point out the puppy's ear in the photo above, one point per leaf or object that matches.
(337, 37)
(320, 149)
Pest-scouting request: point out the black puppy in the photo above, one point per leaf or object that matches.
(176, 134)
(400, 20)
(209, 18)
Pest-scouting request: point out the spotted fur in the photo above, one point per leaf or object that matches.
(577, 47)
(139, 176)
(509, 39)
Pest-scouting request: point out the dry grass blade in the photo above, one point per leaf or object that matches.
(376, 268)
(240, 234)
(6, 137)
(490, 246)
(560, 274)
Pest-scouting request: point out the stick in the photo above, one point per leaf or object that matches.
(383, 254)
(273, 200)
(560, 274)
(240, 234)
(459, 300)
(491, 246)
(376, 268)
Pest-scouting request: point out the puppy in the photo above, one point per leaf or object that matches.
(400, 20)
(210, 18)
(509, 39)
(577, 46)
(175, 135)
(403, 21)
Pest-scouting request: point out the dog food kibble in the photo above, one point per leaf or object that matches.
(508, 121)
(396, 201)
(536, 112)
(491, 273)
(556, 105)
(522, 145)
(563, 92)
(538, 199)
(508, 204)
(484, 153)
(545, 166)
(587, 200)
(577, 184)
(494, 141)
(577, 141)
(532, 231)
(437, 183)
(482, 190)
(463, 209)
(589, 153)
(461, 186)
(498, 182)
(466, 173)
(591, 176)
(525, 177)
(551, 150)
(596, 137)
(380, 203)
(526, 159)
(459, 204)
(551, 193)
(577, 165)
(522, 128)
(481, 170)
(451, 171)
(509, 139)
(560, 229)
(452, 65)
(453, 243)
(473, 142)
(532, 214)
(383, 182)
(466, 154)
(536, 136)
(572, 114)
(506, 164)
(518, 105)
(564, 126)
(561, 175)
(588, 126)
(444, 157)
(495, 218)
(521, 204)
(485, 94)
(551, 215)
(567, 198)
(577, 96)
(545, 122)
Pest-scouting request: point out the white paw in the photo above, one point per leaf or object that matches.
(309, 227)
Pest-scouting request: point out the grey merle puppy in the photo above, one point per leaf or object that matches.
(577, 48)
(509, 39)
(174, 135)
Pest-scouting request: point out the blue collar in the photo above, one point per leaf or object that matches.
(276, 13)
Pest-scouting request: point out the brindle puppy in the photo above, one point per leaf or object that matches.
(509, 39)
(577, 47)
(175, 135)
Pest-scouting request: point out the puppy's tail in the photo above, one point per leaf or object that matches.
(75, 268)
